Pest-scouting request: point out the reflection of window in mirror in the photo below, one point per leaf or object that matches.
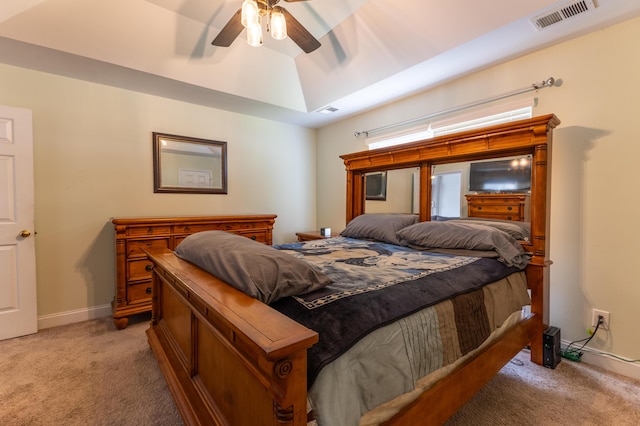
(445, 195)
(448, 188)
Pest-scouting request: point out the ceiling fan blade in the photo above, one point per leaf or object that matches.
(299, 34)
(230, 31)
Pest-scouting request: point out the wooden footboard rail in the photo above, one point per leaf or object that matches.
(227, 358)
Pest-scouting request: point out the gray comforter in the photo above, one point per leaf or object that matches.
(389, 361)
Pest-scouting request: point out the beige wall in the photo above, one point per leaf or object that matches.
(595, 173)
(93, 161)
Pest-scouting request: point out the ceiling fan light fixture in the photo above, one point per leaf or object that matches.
(278, 21)
(254, 33)
(278, 24)
(249, 14)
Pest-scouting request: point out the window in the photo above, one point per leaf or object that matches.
(485, 117)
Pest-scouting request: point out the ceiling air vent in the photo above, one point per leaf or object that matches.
(327, 110)
(562, 13)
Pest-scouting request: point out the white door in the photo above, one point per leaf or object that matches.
(18, 305)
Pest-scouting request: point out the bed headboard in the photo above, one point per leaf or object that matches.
(525, 137)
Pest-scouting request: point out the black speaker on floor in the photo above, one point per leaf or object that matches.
(551, 347)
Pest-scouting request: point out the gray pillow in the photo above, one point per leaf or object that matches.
(256, 269)
(378, 226)
(518, 230)
(461, 235)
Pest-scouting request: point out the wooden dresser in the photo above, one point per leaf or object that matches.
(133, 270)
(499, 206)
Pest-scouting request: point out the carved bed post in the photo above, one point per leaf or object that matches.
(120, 298)
(355, 194)
(425, 191)
(537, 270)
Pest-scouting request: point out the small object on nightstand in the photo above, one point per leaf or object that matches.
(313, 235)
(325, 232)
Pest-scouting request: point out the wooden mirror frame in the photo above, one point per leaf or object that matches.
(205, 144)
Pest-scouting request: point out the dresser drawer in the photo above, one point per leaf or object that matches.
(259, 236)
(139, 292)
(514, 218)
(493, 208)
(134, 247)
(139, 269)
(189, 229)
(496, 200)
(149, 230)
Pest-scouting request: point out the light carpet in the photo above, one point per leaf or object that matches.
(89, 373)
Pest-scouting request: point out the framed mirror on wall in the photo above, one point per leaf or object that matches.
(188, 165)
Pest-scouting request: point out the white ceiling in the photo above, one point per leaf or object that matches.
(373, 51)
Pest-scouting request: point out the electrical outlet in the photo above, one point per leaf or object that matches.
(605, 318)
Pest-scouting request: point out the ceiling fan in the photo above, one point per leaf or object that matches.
(299, 34)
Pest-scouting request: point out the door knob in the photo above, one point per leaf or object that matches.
(25, 233)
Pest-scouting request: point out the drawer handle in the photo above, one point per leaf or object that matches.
(253, 237)
(509, 208)
(148, 290)
(148, 268)
(479, 207)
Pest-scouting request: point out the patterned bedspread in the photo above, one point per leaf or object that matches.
(375, 284)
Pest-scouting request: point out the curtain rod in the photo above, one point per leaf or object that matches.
(535, 86)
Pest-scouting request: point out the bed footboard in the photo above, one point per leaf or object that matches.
(227, 358)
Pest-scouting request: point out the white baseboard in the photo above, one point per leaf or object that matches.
(609, 363)
(69, 317)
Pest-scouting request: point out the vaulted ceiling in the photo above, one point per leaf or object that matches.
(373, 51)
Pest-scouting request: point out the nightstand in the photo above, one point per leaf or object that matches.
(311, 235)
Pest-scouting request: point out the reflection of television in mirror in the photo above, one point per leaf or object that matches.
(512, 175)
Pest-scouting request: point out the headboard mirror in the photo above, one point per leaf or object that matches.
(399, 196)
(525, 138)
(450, 184)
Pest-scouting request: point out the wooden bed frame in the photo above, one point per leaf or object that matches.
(231, 360)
